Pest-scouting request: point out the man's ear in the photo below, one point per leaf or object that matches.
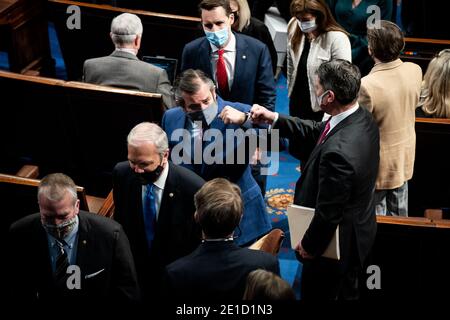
(330, 97)
(137, 41)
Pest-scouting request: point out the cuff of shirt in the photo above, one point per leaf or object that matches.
(277, 115)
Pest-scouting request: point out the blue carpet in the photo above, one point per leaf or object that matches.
(280, 193)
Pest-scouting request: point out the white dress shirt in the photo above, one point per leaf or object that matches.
(229, 56)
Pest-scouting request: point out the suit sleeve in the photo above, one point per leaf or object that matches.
(364, 98)
(265, 87)
(186, 61)
(302, 134)
(125, 285)
(165, 89)
(334, 170)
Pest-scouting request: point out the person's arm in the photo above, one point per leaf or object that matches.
(341, 48)
(364, 98)
(335, 186)
(124, 285)
(265, 86)
(165, 89)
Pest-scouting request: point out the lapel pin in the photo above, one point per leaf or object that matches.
(84, 242)
(244, 57)
(171, 195)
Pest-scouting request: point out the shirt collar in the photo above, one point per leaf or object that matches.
(341, 116)
(131, 51)
(230, 47)
(161, 181)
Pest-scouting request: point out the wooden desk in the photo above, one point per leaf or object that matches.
(24, 35)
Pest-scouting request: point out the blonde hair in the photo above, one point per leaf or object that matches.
(243, 13)
(435, 94)
(324, 19)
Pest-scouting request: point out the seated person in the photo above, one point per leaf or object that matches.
(435, 95)
(264, 285)
(70, 255)
(122, 68)
(218, 268)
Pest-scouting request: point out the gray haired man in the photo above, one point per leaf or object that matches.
(122, 68)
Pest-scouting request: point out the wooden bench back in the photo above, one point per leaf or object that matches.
(163, 35)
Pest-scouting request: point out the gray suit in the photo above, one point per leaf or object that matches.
(125, 70)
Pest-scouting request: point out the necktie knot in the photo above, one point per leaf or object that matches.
(221, 52)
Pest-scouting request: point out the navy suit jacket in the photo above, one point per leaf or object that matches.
(103, 256)
(253, 76)
(216, 271)
(255, 221)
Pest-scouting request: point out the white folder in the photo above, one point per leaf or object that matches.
(299, 219)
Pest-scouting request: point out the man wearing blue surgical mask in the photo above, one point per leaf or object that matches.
(239, 65)
(65, 253)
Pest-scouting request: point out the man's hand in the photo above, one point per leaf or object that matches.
(229, 115)
(302, 252)
(259, 114)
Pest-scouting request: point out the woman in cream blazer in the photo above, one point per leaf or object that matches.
(314, 37)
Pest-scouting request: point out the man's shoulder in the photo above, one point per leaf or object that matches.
(194, 44)
(190, 180)
(250, 41)
(98, 222)
(25, 222)
(172, 112)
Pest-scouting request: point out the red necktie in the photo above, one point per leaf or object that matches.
(324, 132)
(222, 78)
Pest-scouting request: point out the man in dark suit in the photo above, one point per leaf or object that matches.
(64, 254)
(203, 114)
(217, 270)
(249, 77)
(338, 180)
(160, 224)
(122, 68)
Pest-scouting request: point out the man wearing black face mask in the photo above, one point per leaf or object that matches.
(154, 202)
(47, 249)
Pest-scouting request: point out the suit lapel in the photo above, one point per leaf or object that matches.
(84, 241)
(43, 260)
(240, 64)
(204, 58)
(336, 129)
(169, 198)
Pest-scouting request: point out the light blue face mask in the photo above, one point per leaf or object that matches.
(218, 38)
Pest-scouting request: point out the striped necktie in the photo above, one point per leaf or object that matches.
(62, 262)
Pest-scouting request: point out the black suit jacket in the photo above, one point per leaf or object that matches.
(216, 271)
(338, 181)
(102, 245)
(176, 233)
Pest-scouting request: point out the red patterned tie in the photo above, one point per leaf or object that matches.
(222, 78)
(324, 132)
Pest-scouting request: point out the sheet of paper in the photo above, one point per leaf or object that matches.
(299, 219)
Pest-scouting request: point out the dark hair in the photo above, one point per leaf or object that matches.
(189, 82)
(324, 18)
(264, 285)
(211, 4)
(341, 77)
(219, 207)
(386, 42)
